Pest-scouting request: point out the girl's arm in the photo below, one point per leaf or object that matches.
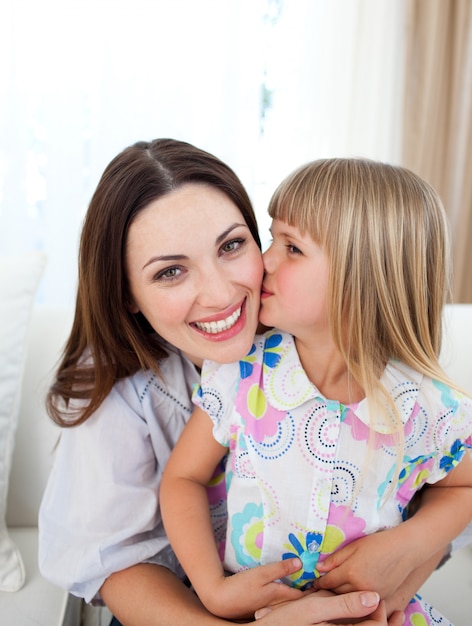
(186, 516)
(151, 595)
(402, 556)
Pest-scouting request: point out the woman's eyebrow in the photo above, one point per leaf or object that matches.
(224, 234)
(183, 257)
(165, 257)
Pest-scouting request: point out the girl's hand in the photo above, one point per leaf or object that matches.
(374, 562)
(321, 609)
(238, 596)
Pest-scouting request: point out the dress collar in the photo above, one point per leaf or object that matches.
(287, 386)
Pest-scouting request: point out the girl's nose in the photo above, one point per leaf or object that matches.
(268, 259)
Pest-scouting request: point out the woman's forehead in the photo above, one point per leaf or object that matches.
(173, 222)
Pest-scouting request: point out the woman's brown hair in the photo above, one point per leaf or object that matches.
(108, 342)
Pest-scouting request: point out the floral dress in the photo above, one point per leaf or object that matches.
(306, 475)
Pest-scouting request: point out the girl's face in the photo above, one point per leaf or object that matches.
(294, 291)
(195, 273)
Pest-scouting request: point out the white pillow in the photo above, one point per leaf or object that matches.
(19, 279)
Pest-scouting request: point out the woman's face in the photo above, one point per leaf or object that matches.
(195, 273)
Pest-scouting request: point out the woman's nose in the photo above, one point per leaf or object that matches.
(215, 288)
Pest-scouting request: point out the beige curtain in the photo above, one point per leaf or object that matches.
(437, 131)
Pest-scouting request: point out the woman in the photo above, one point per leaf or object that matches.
(169, 273)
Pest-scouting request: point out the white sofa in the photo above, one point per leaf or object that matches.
(38, 602)
(42, 604)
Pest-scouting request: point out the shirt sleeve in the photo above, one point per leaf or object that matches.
(216, 395)
(452, 428)
(100, 511)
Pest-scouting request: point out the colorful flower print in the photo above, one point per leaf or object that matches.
(270, 357)
(362, 431)
(310, 547)
(412, 477)
(344, 527)
(450, 460)
(246, 364)
(216, 492)
(216, 488)
(260, 418)
(447, 397)
(272, 350)
(247, 535)
(307, 548)
(419, 613)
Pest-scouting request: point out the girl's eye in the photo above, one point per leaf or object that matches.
(232, 246)
(169, 274)
(293, 249)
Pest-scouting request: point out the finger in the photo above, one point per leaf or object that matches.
(275, 571)
(316, 609)
(380, 613)
(278, 592)
(339, 589)
(335, 581)
(396, 619)
(353, 604)
(327, 564)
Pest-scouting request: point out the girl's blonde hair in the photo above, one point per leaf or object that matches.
(385, 232)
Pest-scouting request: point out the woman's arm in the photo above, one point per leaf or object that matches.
(185, 511)
(151, 595)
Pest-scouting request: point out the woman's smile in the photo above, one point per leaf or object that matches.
(219, 325)
(198, 287)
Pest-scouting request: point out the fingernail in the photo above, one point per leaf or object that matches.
(296, 563)
(370, 598)
(261, 613)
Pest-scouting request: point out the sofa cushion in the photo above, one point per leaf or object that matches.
(19, 279)
(38, 602)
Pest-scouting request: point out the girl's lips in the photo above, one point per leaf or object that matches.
(265, 293)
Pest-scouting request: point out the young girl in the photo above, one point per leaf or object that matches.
(337, 418)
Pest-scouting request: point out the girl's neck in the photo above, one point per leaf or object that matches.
(327, 370)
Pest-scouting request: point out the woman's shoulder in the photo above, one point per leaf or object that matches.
(171, 383)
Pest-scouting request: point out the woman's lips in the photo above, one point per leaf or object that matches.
(220, 325)
(220, 328)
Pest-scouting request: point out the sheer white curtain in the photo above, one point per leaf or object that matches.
(264, 84)
(335, 72)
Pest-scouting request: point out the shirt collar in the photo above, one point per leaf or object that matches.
(287, 386)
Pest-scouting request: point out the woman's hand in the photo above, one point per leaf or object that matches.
(322, 609)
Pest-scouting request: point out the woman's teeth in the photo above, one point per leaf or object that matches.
(218, 327)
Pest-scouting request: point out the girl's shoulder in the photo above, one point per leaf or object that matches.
(403, 380)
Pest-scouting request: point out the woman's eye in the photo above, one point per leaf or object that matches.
(170, 273)
(232, 246)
